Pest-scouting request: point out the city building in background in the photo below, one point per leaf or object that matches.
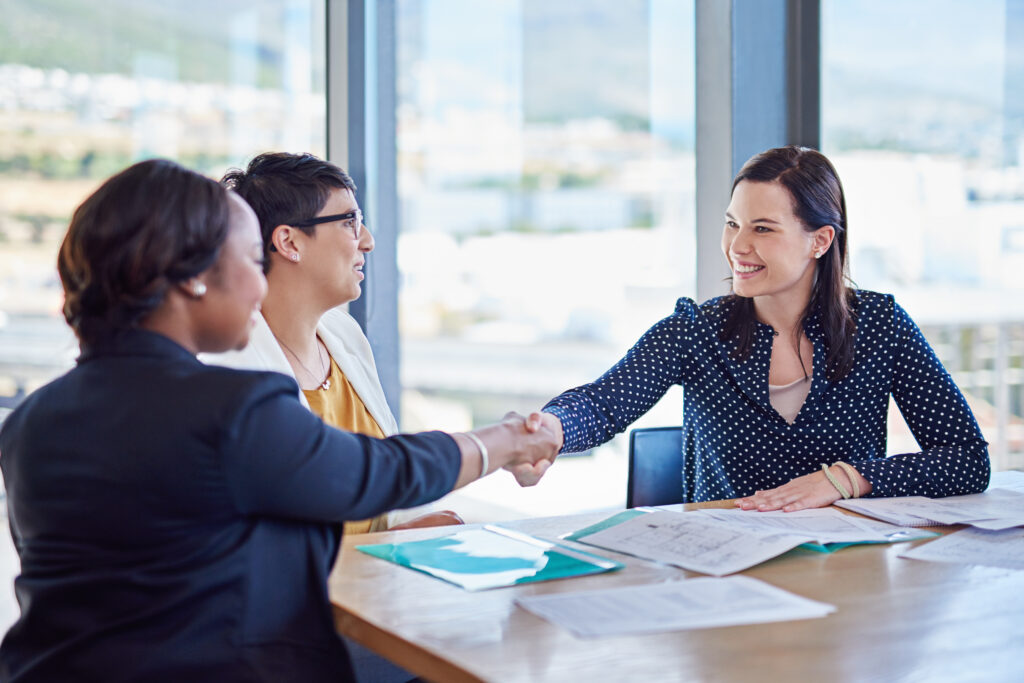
(932, 159)
(547, 181)
(88, 88)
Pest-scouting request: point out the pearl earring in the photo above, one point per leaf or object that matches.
(295, 258)
(198, 290)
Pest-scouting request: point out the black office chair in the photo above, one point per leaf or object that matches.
(655, 467)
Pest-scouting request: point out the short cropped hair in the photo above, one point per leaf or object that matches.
(148, 227)
(284, 189)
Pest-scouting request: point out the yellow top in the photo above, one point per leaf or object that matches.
(340, 406)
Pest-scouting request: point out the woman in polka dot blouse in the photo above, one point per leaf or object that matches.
(793, 370)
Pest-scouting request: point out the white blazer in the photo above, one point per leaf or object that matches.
(350, 349)
(346, 343)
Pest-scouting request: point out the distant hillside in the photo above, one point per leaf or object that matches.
(188, 40)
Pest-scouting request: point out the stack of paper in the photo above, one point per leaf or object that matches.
(675, 606)
(975, 546)
(1000, 507)
(819, 525)
(721, 542)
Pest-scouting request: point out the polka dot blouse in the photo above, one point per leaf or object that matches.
(735, 443)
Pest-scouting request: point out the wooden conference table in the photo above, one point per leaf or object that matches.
(897, 619)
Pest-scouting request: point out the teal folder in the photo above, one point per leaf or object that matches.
(491, 557)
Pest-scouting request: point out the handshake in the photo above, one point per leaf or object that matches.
(542, 438)
(525, 446)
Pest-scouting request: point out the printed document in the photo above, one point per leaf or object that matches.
(694, 542)
(974, 546)
(996, 508)
(822, 525)
(674, 606)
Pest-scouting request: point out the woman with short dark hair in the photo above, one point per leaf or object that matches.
(787, 380)
(177, 521)
(316, 245)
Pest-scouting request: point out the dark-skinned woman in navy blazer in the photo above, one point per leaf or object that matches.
(177, 521)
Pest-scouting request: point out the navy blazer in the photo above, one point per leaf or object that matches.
(178, 521)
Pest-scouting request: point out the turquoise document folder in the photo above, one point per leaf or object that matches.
(491, 557)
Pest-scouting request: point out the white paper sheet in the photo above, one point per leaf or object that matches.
(994, 504)
(823, 525)
(998, 524)
(974, 546)
(904, 511)
(897, 534)
(674, 606)
(693, 542)
(998, 507)
(1007, 479)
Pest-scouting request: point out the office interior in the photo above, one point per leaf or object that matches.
(543, 179)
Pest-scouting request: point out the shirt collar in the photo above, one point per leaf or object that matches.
(751, 375)
(135, 342)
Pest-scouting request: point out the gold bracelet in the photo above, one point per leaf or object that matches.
(850, 472)
(835, 482)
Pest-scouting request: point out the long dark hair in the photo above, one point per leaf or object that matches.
(148, 227)
(818, 200)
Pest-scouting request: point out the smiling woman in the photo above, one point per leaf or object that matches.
(787, 380)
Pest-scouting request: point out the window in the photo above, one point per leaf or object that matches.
(546, 181)
(923, 115)
(87, 88)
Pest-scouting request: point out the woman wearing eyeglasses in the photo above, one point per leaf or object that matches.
(315, 245)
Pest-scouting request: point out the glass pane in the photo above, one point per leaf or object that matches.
(546, 179)
(923, 115)
(87, 88)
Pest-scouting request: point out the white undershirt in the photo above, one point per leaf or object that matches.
(788, 399)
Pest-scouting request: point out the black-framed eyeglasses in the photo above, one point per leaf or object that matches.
(353, 220)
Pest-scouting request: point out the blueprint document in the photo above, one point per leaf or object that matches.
(974, 546)
(694, 542)
(674, 606)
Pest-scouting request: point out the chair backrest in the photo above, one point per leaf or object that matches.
(655, 467)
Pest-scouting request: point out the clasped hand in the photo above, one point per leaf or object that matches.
(545, 432)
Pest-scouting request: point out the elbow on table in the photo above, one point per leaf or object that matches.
(978, 466)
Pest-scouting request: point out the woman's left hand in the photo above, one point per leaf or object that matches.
(809, 491)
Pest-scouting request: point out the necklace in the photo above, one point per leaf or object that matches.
(326, 384)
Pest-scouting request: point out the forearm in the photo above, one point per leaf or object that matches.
(507, 443)
(954, 455)
(948, 470)
(590, 416)
(593, 413)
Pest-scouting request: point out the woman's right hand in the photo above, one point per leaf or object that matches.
(529, 474)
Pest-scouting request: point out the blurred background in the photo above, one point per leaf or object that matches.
(546, 182)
